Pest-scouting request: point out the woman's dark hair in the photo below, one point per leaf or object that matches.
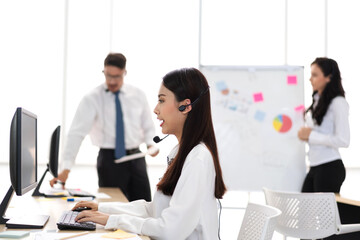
(334, 88)
(191, 84)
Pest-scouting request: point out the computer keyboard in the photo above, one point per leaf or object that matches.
(67, 221)
(79, 193)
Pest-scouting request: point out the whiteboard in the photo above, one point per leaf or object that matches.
(257, 112)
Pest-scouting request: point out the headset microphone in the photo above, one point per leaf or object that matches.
(183, 107)
(157, 139)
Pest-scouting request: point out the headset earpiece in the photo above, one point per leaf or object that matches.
(182, 108)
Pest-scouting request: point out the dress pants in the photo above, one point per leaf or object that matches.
(131, 176)
(327, 177)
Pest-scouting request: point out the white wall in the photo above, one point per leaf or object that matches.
(31, 66)
(157, 37)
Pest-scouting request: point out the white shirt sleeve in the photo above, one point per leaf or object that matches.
(180, 219)
(147, 123)
(80, 127)
(139, 208)
(341, 135)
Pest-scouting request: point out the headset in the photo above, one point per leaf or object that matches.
(157, 139)
(183, 107)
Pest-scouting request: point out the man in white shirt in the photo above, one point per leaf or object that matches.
(97, 114)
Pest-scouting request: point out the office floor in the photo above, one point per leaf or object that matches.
(234, 202)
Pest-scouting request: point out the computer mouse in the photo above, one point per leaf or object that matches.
(79, 209)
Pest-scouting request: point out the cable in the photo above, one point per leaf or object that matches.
(219, 219)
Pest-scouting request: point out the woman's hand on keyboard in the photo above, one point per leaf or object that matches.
(92, 216)
(92, 205)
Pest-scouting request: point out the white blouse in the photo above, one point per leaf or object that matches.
(333, 133)
(190, 213)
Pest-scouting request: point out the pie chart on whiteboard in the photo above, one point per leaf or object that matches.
(282, 123)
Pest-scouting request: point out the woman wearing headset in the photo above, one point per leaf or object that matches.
(184, 205)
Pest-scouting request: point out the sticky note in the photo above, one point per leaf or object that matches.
(233, 107)
(258, 97)
(221, 85)
(260, 115)
(292, 79)
(14, 234)
(119, 234)
(299, 108)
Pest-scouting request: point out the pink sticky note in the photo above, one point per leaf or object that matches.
(258, 97)
(291, 79)
(300, 108)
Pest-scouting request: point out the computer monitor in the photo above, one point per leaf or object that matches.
(53, 163)
(23, 151)
(54, 152)
(23, 167)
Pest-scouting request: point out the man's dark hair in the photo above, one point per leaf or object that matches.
(115, 59)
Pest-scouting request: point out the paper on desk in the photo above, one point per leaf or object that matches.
(90, 236)
(150, 151)
(54, 191)
(102, 196)
(119, 234)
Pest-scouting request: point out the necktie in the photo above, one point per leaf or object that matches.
(119, 142)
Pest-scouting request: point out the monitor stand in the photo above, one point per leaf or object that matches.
(37, 192)
(4, 205)
(32, 221)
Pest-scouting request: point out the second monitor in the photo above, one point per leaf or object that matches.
(52, 165)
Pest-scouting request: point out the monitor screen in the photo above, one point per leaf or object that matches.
(23, 151)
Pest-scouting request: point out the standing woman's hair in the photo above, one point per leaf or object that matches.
(191, 84)
(334, 88)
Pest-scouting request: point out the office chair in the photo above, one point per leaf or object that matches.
(259, 222)
(307, 215)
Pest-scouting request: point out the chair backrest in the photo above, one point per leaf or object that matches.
(305, 215)
(259, 222)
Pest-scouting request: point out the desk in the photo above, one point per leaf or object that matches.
(55, 207)
(341, 199)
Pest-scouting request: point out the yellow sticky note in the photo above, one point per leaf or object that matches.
(119, 234)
